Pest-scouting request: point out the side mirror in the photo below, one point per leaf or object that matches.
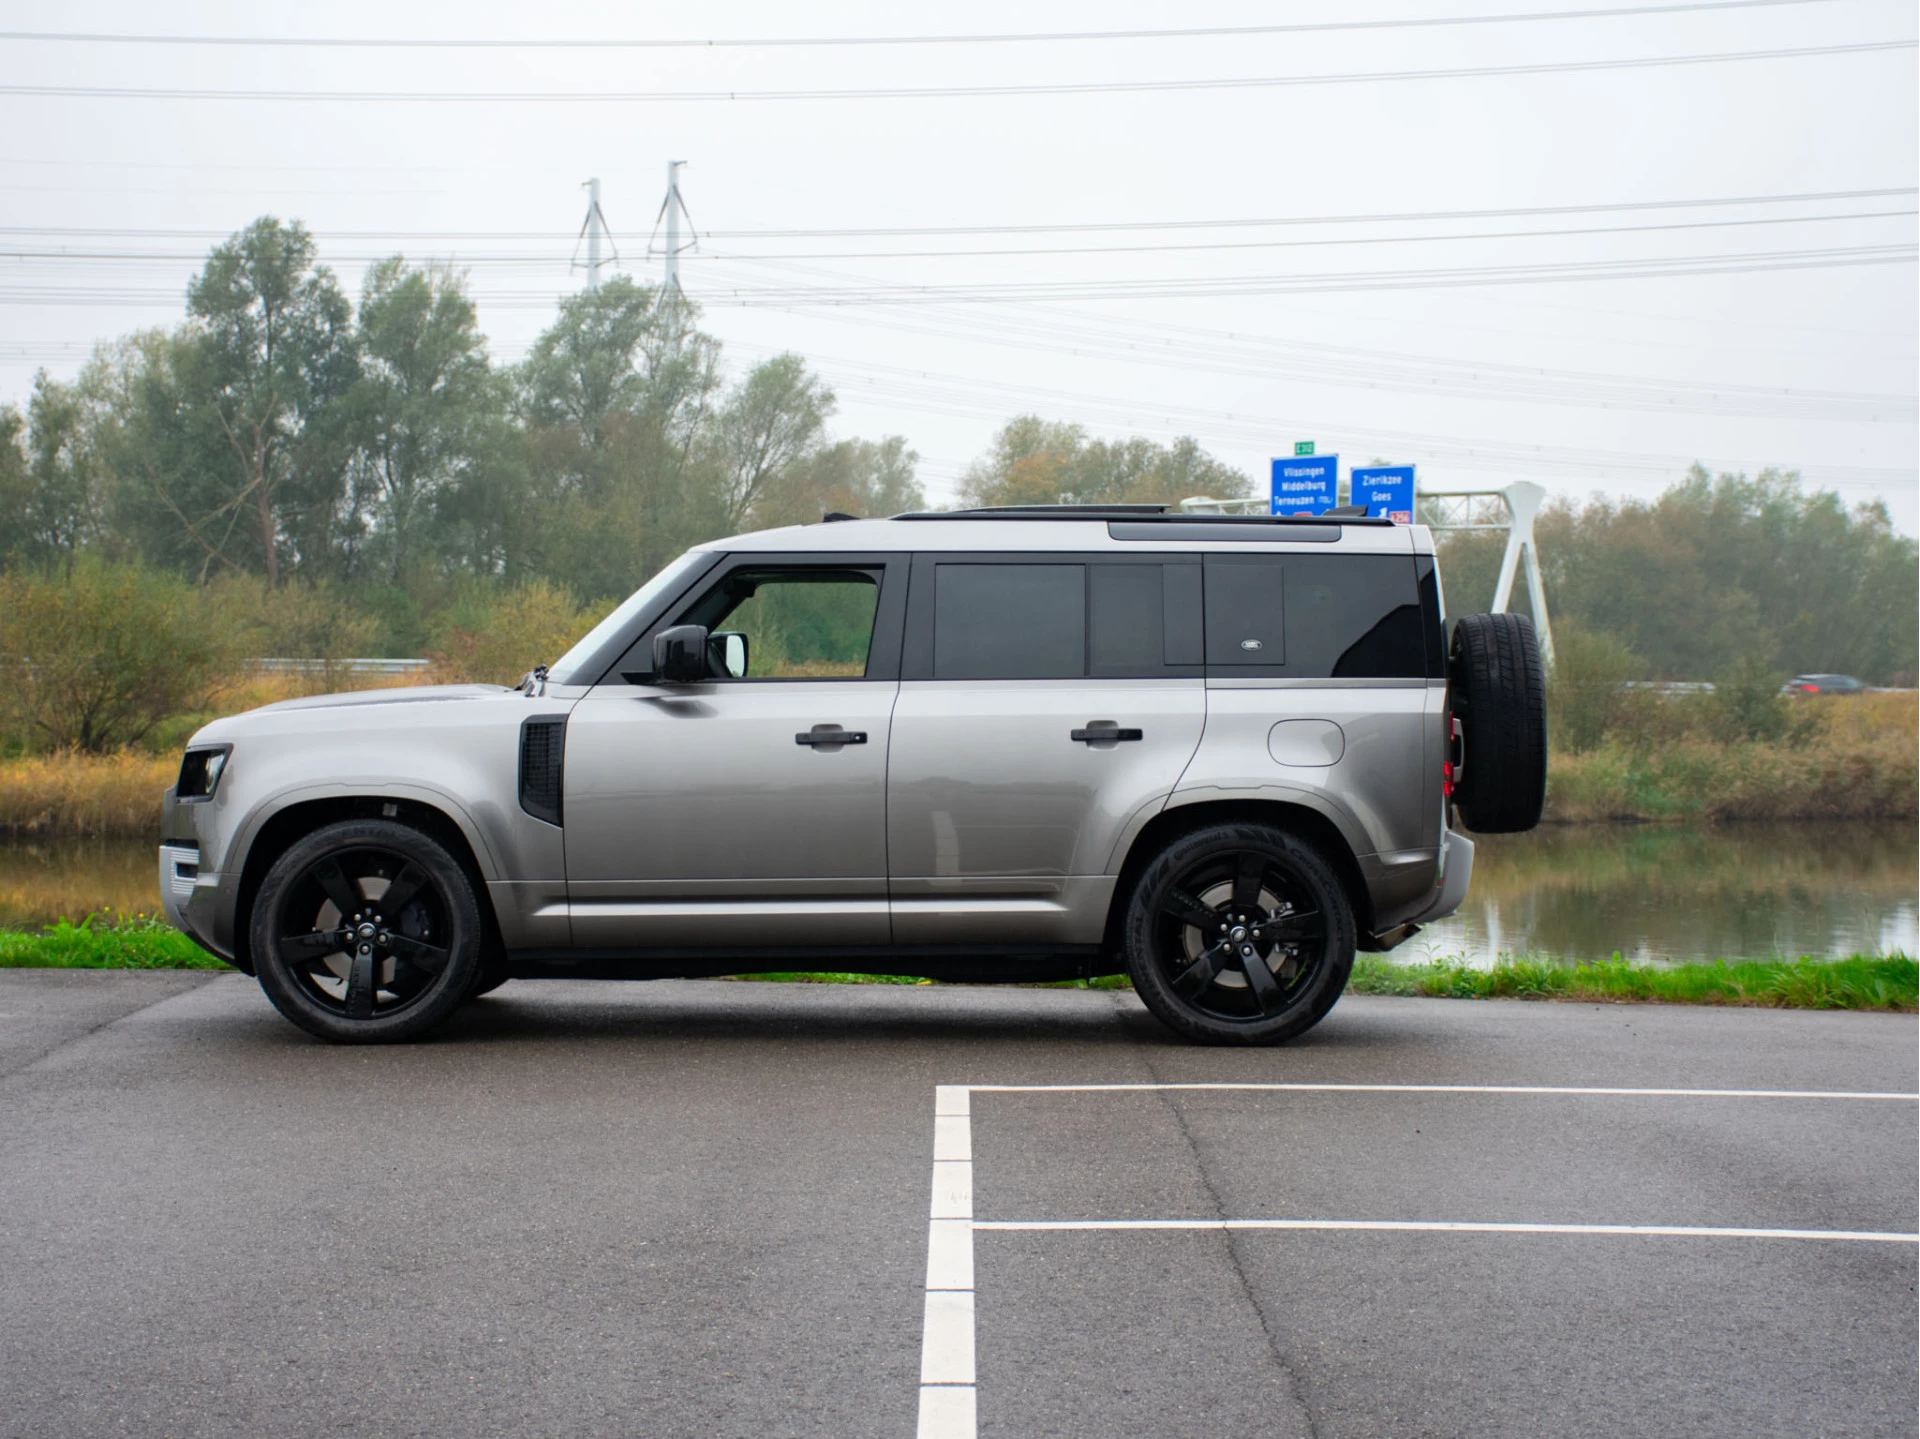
(680, 655)
(727, 654)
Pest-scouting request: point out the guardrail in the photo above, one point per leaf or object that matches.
(272, 665)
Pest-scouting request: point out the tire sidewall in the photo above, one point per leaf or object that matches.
(1308, 866)
(441, 997)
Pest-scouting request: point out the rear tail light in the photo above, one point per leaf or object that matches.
(1453, 763)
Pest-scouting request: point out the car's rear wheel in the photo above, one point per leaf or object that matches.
(1239, 934)
(366, 931)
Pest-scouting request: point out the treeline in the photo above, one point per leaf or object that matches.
(284, 433)
(1720, 578)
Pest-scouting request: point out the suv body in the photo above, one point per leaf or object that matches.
(943, 745)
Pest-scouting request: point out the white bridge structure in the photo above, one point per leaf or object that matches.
(1512, 509)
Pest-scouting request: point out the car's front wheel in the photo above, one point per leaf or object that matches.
(366, 931)
(1239, 934)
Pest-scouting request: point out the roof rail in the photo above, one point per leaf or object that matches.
(1152, 514)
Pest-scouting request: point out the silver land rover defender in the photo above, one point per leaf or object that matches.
(1215, 754)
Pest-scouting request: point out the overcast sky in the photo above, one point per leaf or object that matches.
(1788, 338)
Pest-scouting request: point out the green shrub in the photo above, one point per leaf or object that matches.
(1588, 691)
(94, 657)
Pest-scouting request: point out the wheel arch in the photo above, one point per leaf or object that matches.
(1176, 821)
(286, 825)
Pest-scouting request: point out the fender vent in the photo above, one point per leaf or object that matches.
(543, 747)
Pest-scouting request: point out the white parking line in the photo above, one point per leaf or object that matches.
(1451, 1226)
(948, 1381)
(1453, 1089)
(947, 1408)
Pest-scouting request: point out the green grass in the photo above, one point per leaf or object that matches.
(1889, 982)
(130, 944)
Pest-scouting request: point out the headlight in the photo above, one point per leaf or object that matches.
(200, 772)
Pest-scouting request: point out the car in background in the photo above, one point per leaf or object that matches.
(1824, 685)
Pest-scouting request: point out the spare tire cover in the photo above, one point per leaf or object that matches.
(1499, 695)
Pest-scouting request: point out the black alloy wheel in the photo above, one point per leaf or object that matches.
(1239, 934)
(366, 930)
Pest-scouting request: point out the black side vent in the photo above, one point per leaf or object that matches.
(543, 748)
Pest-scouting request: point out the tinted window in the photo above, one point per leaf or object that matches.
(1246, 610)
(799, 624)
(1124, 613)
(1009, 622)
(1341, 617)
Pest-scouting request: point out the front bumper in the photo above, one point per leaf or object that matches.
(179, 872)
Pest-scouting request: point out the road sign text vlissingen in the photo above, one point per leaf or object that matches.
(1305, 486)
(1386, 491)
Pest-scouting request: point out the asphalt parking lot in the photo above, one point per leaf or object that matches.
(702, 1208)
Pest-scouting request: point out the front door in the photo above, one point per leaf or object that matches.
(748, 809)
(1048, 708)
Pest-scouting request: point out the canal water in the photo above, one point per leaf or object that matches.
(1654, 894)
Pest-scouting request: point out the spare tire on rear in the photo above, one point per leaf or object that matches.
(1499, 695)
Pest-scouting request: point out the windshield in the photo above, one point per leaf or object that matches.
(563, 670)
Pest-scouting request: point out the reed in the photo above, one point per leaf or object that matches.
(87, 795)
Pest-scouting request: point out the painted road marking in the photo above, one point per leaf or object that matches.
(948, 1382)
(1452, 1226)
(1452, 1089)
(947, 1396)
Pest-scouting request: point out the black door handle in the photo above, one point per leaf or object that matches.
(831, 735)
(1101, 731)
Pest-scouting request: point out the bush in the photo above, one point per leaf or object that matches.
(1747, 703)
(495, 639)
(300, 620)
(93, 658)
(1588, 690)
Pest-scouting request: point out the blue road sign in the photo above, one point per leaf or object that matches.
(1306, 485)
(1386, 491)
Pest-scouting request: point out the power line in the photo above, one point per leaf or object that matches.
(1080, 250)
(770, 42)
(1513, 212)
(934, 92)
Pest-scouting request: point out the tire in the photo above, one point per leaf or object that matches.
(395, 973)
(1191, 968)
(1499, 695)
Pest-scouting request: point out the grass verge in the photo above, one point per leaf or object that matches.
(130, 944)
(1889, 982)
(1875, 982)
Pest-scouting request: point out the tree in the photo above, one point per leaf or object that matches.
(16, 483)
(1044, 462)
(768, 426)
(270, 345)
(865, 478)
(1720, 570)
(421, 415)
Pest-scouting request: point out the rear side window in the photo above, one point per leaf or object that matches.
(1316, 616)
(1060, 618)
(1009, 622)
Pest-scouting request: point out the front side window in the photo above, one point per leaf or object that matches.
(797, 623)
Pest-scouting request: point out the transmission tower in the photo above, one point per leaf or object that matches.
(673, 210)
(593, 231)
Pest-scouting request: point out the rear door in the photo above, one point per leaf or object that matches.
(1048, 705)
(744, 810)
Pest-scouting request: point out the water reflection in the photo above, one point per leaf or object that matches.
(1653, 893)
(1657, 894)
